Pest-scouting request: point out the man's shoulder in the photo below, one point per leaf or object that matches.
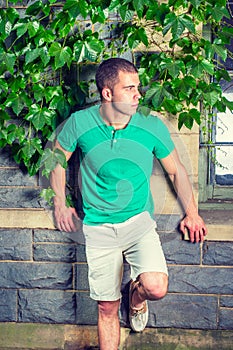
(85, 113)
(149, 121)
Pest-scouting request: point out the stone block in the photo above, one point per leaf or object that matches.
(188, 150)
(218, 253)
(6, 160)
(56, 236)
(43, 236)
(86, 309)
(22, 336)
(36, 275)
(19, 198)
(177, 310)
(15, 177)
(8, 305)
(80, 253)
(226, 301)
(178, 251)
(195, 279)
(15, 245)
(54, 252)
(226, 318)
(168, 223)
(45, 306)
(184, 311)
(81, 280)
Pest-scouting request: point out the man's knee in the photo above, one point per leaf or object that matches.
(155, 284)
(108, 308)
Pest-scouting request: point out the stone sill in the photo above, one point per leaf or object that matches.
(57, 336)
(218, 216)
(219, 222)
(26, 218)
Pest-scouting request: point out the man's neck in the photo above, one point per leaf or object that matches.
(116, 120)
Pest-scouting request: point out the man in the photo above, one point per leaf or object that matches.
(117, 146)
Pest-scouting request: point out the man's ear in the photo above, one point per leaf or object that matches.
(107, 94)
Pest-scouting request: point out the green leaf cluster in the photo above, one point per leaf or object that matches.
(45, 49)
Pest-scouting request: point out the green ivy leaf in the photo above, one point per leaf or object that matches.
(211, 97)
(50, 159)
(173, 67)
(51, 91)
(63, 55)
(3, 85)
(35, 8)
(88, 49)
(44, 55)
(30, 147)
(17, 83)
(219, 12)
(185, 119)
(199, 67)
(228, 103)
(8, 60)
(220, 50)
(26, 25)
(47, 194)
(177, 25)
(137, 36)
(40, 116)
(76, 8)
(195, 3)
(4, 116)
(173, 106)
(17, 102)
(222, 74)
(60, 104)
(125, 13)
(98, 14)
(156, 94)
(184, 87)
(32, 55)
(196, 115)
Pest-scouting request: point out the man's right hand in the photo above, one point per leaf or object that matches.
(64, 218)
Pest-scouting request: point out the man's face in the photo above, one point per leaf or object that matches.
(125, 95)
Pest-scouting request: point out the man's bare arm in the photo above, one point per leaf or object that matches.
(63, 214)
(179, 177)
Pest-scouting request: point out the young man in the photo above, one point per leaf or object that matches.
(117, 146)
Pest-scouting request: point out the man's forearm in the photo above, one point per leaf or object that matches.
(184, 191)
(58, 183)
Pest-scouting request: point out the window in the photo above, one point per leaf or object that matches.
(216, 163)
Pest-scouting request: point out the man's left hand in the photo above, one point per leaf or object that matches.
(196, 228)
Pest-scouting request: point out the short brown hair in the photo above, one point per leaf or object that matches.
(108, 72)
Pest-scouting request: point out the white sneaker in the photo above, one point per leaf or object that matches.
(138, 318)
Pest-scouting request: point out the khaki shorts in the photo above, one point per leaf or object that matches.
(106, 265)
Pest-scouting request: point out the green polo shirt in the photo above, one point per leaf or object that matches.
(115, 165)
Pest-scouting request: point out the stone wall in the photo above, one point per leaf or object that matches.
(43, 279)
(43, 272)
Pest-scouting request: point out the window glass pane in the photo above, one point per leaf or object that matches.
(224, 168)
(224, 126)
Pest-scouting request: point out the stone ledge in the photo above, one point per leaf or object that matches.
(26, 218)
(21, 336)
(219, 222)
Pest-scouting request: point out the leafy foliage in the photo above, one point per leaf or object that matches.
(44, 50)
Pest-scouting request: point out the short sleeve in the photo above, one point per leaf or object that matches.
(68, 136)
(163, 142)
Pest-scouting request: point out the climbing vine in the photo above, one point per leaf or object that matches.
(180, 47)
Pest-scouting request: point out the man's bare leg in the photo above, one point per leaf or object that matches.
(108, 325)
(152, 286)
